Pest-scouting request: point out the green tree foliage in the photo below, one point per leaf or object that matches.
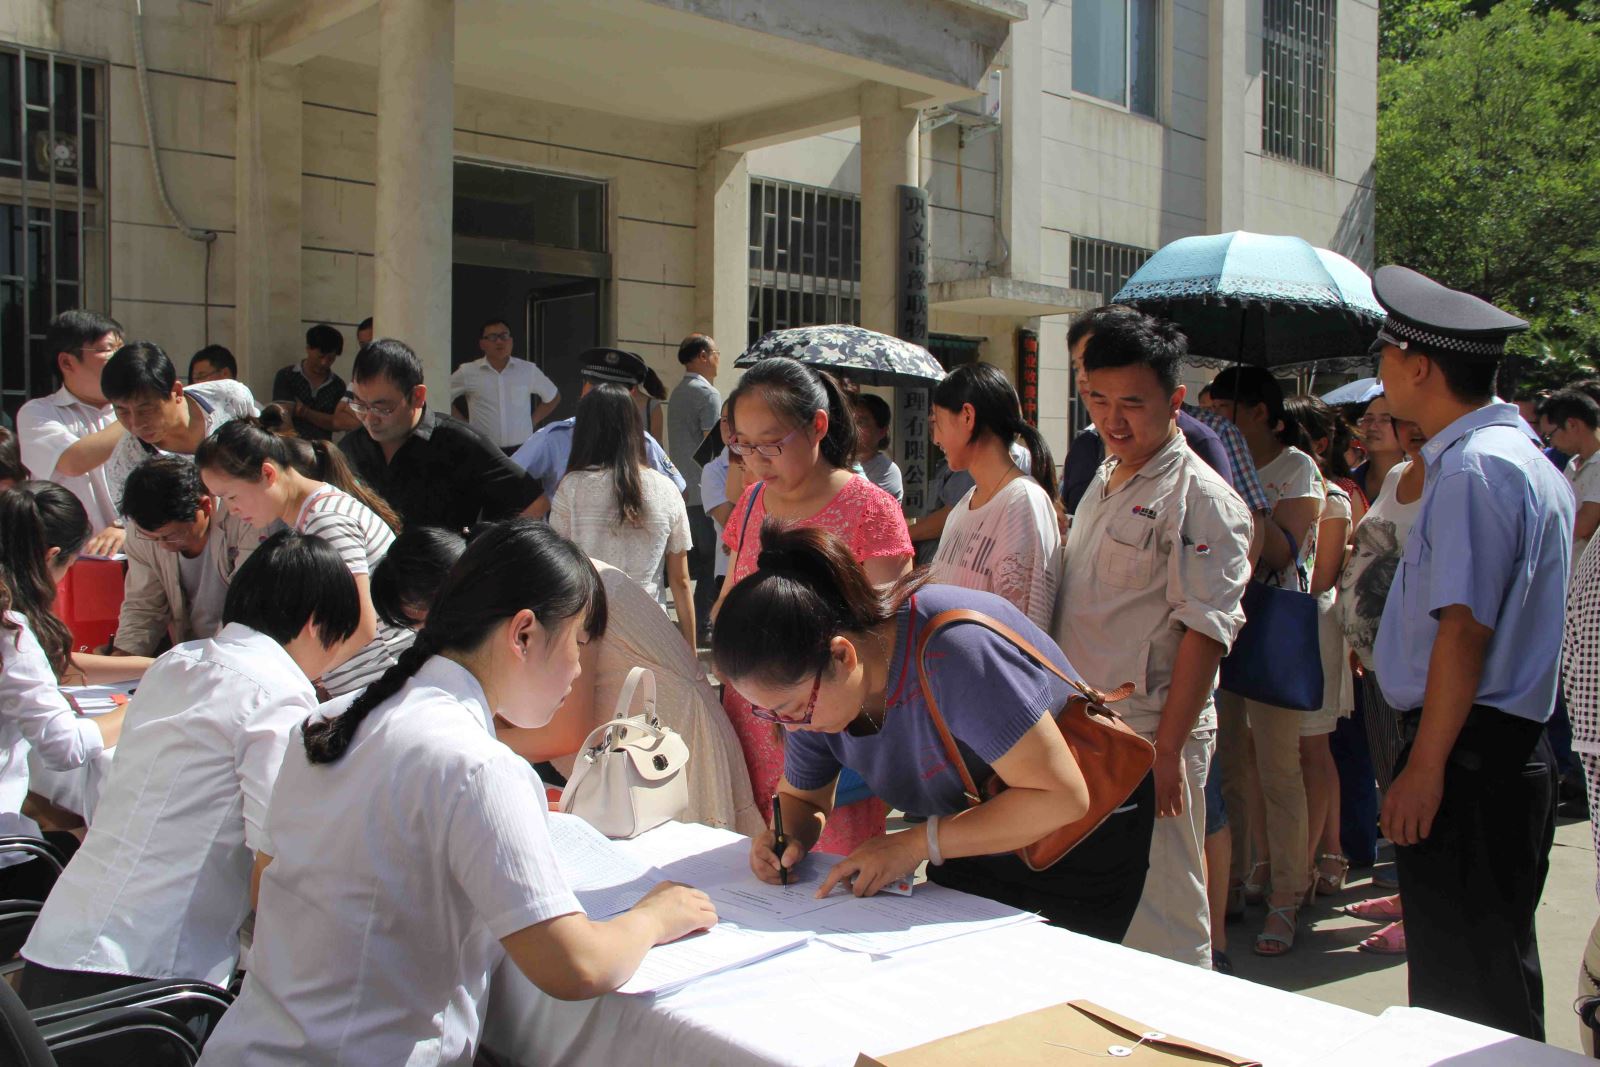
(1488, 170)
(1404, 26)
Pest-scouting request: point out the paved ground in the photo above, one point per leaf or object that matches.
(1326, 964)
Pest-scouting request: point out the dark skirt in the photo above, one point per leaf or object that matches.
(1093, 890)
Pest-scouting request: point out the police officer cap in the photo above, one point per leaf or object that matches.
(613, 365)
(1425, 314)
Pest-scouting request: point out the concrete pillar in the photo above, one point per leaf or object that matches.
(888, 159)
(267, 331)
(1227, 84)
(1021, 141)
(722, 251)
(416, 159)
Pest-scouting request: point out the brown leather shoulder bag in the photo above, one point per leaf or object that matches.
(1111, 756)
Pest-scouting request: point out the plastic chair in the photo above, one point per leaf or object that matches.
(94, 1034)
(90, 601)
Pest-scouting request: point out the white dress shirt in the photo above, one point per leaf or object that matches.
(48, 426)
(395, 873)
(497, 401)
(34, 714)
(162, 881)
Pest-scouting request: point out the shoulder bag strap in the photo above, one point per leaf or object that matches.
(745, 525)
(955, 615)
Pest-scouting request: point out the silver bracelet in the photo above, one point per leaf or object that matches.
(933, 841)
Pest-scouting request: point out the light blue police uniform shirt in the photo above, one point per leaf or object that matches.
(1494, 532)
(545, 455)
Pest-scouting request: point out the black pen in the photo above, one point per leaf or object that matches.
(780, 840)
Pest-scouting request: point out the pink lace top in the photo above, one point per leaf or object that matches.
(870, 521)
(861, 513)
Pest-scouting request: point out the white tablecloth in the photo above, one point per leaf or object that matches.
(820, 1006)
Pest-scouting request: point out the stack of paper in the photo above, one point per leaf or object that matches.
(96, 699)
(607, 882)
(759, 920)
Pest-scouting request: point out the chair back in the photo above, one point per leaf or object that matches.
(20, 1040)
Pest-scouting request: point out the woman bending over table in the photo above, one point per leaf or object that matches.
(822, 652)
(409, 849)
(794, 428)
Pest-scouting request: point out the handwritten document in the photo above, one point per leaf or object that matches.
(605, 880)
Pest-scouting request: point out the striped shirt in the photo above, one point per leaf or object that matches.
(362, 539)
(1011, 546)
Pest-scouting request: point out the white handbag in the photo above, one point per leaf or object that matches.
(629, 775)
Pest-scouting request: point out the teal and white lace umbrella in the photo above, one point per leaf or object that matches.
(1269, 301)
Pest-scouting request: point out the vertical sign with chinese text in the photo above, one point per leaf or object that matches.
(911, 324)
(1028, 374)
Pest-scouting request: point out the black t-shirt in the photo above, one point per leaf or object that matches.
(445, 474)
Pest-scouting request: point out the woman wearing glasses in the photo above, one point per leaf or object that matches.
(831, 658)
(794, 427)
(1381, 442)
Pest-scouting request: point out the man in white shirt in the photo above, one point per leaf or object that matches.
(163, 880)
(160, 413)
(183, 552)
(504, 398)
(1156, 566)
(69, 435)
(1576, 420)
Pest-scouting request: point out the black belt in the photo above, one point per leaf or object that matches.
(1489, 737)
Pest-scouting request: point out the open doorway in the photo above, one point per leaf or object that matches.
(530, 248)
(552, 317)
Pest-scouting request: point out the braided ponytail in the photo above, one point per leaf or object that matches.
(509, 567)
(326, 740)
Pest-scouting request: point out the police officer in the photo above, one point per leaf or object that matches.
(1469, 642)
(544, 455)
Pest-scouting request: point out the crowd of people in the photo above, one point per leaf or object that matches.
(368, 632)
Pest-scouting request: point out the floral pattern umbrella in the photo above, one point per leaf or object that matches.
(1265, 300)
(863, 355)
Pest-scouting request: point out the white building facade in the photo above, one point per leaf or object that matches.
(626, 171)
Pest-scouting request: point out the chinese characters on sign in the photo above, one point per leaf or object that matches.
(1028, 374)
(914, 447)
(911, 321)
(911, 274)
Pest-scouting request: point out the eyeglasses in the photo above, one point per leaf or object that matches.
(1375, 420)
(360, 407)
(171, 539)
(500, 335)
(99, 350)
(768, 715)
(738, 448)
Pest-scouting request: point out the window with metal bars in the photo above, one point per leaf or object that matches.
(805, 256)
(54, 251)
(1297, 84)
(1116, 52)
(1103, 266)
